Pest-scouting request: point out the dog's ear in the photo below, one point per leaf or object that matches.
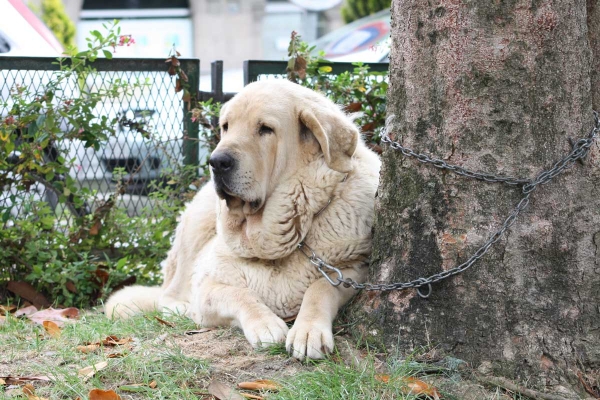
(336, 134)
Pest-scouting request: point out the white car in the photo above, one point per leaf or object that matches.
(367, 40)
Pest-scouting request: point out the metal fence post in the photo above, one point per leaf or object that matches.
(191, 141)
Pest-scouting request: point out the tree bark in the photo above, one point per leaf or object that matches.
(496, 86)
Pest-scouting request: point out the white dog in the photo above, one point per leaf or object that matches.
(290, 168)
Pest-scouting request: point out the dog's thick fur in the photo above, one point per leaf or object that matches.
(234, 260)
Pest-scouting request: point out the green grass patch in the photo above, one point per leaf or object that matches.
(25, 350)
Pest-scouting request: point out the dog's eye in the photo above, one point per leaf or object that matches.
(264, 130)
(225, 127)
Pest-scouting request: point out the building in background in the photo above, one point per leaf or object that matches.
(228, 30)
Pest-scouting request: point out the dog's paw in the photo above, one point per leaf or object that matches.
(266, 331)
(309, 340)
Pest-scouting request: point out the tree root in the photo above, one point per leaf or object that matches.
(513, 387)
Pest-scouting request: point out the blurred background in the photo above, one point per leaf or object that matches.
(228, 30)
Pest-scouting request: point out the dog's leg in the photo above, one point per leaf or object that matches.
(312, 336)
(196, 228)
(218, 304)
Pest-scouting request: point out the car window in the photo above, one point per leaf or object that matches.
(4, 45)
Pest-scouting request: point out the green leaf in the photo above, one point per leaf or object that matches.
(107, 54)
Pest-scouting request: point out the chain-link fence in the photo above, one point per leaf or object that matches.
(153, 137)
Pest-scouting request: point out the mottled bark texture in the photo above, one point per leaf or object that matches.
(496, 86)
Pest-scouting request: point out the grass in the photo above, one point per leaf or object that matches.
(27, 350)
(154, 355)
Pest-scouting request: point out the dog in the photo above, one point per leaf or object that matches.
(290, 168)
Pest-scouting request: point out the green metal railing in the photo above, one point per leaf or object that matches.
(253, 69)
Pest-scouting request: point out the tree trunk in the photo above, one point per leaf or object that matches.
(496, 86)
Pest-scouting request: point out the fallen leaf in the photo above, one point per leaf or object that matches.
(58, 316)
(29, 391)
(412, 386)
(382, 378)
(87, 372)
(195, 332)
(115, 341)
(2, 382)
(418, 387)
(115, 355)
(52, 329)
(71, 287)
(17, 380)
(260, 384)
(99, 394)
(26, 311)
(162, 321)
(252, 396)
(222, 391)
(88, 348)
(5, 310)
(28, 292)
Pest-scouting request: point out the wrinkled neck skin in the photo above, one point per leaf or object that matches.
(276, 230)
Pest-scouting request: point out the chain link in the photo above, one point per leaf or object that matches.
(580, 150)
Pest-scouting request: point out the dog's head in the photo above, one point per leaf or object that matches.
(268, 131)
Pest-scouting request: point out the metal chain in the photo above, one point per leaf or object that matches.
(580, 150)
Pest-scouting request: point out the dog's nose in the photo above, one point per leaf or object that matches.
(221, 162)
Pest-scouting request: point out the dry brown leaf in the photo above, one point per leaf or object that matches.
(29, 391)
(5, 310)
(115, 355)
(58, 316)
(87, 372)
(259, 384)
(152, 384)
(222, 391)
(88, 348)
(115, 341)
(52, 329)
(28, 292)
(353, 107)
(71, 287)
(99, 394)
(162, 321)
(26, 311)
(252, 396)
(18, 380)
(412, 386)
(418, 387)
(2, 381)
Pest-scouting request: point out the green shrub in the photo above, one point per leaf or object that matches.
(55, 18)
(76, 259)
(356, 9)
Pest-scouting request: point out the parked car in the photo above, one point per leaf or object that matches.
(367, 40)
(23, 34)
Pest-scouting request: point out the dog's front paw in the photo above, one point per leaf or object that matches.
(265, 331)
(309, 339)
